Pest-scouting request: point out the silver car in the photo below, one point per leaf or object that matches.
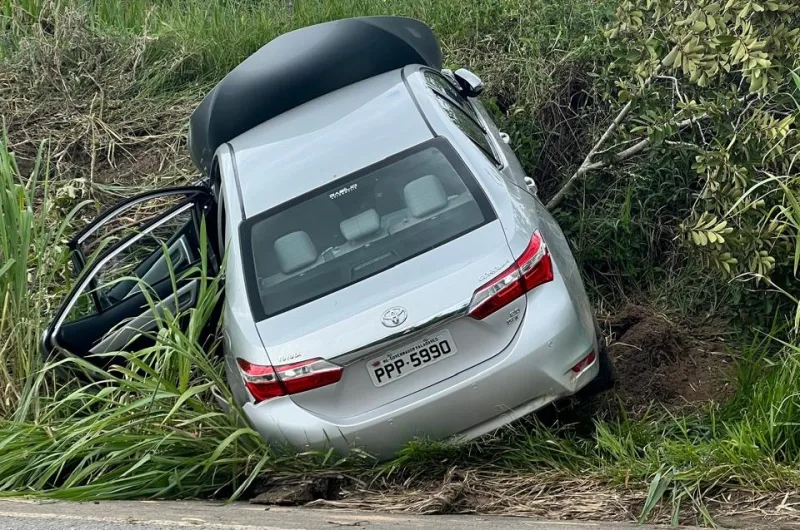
(390, 272)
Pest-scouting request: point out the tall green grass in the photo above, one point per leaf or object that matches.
(31, 270)
(148, 426)
(226, 31)
(140, 66)
(520, 46)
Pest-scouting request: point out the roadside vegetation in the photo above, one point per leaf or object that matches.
(664, 137)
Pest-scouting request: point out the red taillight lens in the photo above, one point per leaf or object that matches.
(261, 381)
(499, 292)
(266, 382)
(535, 264)
(587, 361)
(530, 270)
(308, 375)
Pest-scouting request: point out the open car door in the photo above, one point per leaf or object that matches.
(134, 262)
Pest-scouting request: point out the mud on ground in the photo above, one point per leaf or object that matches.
(667, 362)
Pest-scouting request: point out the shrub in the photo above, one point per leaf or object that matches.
(711, 83)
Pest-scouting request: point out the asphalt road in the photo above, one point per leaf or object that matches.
(146, 515)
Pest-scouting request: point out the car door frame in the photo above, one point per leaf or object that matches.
(77, 255)
(198, 198)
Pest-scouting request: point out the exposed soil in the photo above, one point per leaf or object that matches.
(661, 361)
(299, 492)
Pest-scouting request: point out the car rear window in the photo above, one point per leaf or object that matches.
(359, 226)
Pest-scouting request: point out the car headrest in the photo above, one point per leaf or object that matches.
(295, 251)
(361, 225)
(425, 196)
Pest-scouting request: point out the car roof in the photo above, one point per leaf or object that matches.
(302, 65)
(325, 139)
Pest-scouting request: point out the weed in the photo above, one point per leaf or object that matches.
(32, 258)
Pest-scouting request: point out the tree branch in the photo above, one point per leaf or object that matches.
(587, 163)
(631, 151)
(645, 143)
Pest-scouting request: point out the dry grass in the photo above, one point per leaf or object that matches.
(475, 491)
(556, 496)
(86, 92)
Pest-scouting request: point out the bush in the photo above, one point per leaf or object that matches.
(713, 93)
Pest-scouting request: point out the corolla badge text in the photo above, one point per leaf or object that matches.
(394, 316)
(488, 274)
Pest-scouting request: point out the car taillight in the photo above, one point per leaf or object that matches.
(266, 382)
(585, 362)
(533, 268)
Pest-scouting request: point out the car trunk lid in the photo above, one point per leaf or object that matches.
(428, 296)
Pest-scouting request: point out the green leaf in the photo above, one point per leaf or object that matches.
(669, 60)
(6, 266)
(658, 486)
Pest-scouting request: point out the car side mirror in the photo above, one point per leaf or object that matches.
(471, 85)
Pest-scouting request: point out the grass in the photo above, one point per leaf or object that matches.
(215, 36)
(96, 95)
(32, 260)
(136, 69)
(148, 426)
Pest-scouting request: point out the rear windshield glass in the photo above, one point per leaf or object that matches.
(359, 226)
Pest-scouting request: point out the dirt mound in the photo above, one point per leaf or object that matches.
(661, 361)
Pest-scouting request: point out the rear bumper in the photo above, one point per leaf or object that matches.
(534, 370)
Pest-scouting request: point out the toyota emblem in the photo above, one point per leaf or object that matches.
(394, 316)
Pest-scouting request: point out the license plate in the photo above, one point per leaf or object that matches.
(411, 358)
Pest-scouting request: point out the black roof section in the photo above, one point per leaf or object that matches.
(303, 65)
